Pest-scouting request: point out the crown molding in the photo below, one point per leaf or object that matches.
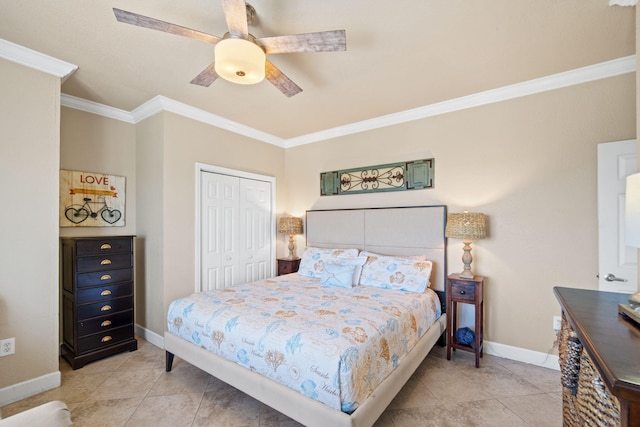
(95, 108)
(36, 60)
(159, 103)
(578, 76)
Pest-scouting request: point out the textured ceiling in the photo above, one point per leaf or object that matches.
(400, 55)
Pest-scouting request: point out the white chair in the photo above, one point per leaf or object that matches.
(51, 414)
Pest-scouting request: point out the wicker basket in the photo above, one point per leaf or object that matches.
(569, 351)
(596, 406)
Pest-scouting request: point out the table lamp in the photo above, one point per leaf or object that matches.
(290, 226)
(467, 226)
(632, 238)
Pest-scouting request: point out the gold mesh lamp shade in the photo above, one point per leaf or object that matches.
(290, 226)
(467, 226)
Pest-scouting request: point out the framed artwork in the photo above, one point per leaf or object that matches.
(89, 199)
(412, 175)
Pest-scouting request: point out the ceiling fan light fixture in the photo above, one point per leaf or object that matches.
(240, 61)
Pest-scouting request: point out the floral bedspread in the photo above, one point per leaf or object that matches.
(333, 344)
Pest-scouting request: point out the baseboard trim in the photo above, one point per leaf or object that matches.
(149, 336)
(524, 355)
(29, 388)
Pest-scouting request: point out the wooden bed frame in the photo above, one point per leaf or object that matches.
(390, 231)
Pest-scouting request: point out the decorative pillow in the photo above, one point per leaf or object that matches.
(357, 263)
(396, 273)
(340, 275)
(313, 260)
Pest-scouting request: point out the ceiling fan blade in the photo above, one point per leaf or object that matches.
(279, 80)
(156, 24)
(324, 41)
(235, 13)
(206, 77)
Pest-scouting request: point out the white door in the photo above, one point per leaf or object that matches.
(219, 230)
(236, 239)
(255, 230)
(618, 263)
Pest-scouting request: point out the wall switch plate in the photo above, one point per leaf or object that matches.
(557, 323)
(7, 346)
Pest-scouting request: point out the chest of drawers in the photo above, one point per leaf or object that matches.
(97, 298)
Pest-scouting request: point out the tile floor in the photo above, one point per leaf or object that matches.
(132, 389)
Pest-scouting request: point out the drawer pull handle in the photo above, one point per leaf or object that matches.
(105, 246)
(105, 277)
(107, 338)
(462, 292)
(105, 262)
(105, 308)
(106, 323)
(105, 293)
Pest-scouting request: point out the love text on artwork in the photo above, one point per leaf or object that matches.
(94, 179)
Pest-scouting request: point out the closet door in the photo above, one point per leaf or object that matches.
(236, 230)
(219, 230)
(255, 230)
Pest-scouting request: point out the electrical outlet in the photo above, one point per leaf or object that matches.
(557, 323)
(7, 346)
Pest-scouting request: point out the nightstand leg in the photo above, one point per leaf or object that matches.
(481, 328)
(453, 312)
(477, 341)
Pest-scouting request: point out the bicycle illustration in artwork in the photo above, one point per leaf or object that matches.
(90, 208)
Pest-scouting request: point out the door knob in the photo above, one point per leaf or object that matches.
(612, 278)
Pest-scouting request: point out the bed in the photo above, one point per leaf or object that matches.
(322, 394)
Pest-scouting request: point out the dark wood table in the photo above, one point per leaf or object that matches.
(612, 342)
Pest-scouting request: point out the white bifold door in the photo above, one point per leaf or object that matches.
(236, 230)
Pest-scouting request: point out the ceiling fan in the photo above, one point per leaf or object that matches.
(239, 56)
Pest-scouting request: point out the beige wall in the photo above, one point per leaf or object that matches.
(149, 221)
(94, 143)
(30, 153)
(528, 163)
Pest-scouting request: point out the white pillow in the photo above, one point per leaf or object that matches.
(396, 273)
(313, 260)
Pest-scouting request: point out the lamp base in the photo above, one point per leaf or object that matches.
(292, 254)
(466, 260)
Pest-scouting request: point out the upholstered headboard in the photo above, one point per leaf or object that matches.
(388, 231)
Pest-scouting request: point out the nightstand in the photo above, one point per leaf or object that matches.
(465, 291)
(286, 265)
